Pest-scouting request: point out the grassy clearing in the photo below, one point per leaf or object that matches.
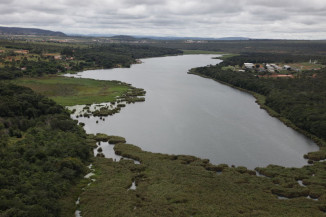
(225, 68)
(306, 66)
(186, 52)
(225, 56)
(170, 185)
(75, 91)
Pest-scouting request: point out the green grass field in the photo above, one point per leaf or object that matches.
(185, 52)
(223, 54)
(306, 66)
(75, 91)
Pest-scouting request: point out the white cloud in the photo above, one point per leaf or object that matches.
(203, 18)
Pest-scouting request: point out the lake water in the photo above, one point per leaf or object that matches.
(188, 114)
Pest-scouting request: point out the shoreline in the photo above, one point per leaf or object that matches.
(260, 99)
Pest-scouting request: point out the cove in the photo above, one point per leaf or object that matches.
(188, 114)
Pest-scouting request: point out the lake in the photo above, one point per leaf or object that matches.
(188, 114)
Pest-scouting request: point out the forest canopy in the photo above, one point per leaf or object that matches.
(42, 153)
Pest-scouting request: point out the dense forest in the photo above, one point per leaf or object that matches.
(114, 55)
(43, 152)
(51, 58)
(302, 99)
(252, 46)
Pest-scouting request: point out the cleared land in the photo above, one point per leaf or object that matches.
(306, 66)
(200, 52)
(75, 91)
(223, 56)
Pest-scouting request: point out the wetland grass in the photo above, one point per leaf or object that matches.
(101, 137)
(181, 185)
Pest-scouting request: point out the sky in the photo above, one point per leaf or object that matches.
(273, 19)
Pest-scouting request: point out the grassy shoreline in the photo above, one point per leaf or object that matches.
(190, 52)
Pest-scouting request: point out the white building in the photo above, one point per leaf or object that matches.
(249, 65)
(270, 68)
(276, 67)
(287, 67)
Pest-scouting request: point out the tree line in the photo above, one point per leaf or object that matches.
(296, 47)
(272, 58)
(72, 58)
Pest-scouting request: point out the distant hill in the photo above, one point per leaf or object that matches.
(191, 38)
(144, 37)
(124, 37)
(233, 38)
(28, 31)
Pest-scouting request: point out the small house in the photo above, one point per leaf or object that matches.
(270, 68)
(249, 65)
(287, 67)
(276, 67)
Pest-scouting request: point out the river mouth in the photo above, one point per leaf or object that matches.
(187, 114)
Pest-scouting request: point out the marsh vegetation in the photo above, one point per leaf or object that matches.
(180, 185)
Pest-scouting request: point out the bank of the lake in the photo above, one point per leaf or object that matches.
(260, 99)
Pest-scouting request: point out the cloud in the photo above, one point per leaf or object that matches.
(210, 18)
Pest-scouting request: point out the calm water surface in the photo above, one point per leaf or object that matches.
(188, 114)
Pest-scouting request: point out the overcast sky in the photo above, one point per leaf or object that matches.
(288, 19)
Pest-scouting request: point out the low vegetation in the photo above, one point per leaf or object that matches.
(100, 137)
(171, 185)
(200, 52)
